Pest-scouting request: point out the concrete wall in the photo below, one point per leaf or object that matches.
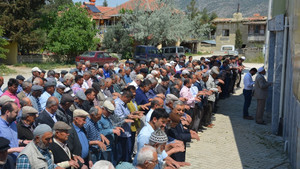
(38, 58)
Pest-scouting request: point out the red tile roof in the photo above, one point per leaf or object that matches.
(254, 18)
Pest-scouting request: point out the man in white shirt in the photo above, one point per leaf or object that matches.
(247, 92)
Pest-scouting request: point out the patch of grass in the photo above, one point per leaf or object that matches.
(259, 58)
(45, 66)
(4, 70)
(196, 54)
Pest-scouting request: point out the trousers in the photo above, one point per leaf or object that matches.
(248, 97)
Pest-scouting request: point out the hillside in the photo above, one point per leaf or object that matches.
(225, 8)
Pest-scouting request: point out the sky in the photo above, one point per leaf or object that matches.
(111, 3)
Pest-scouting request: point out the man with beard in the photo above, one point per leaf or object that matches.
(60, 149)
(25, 126)
(36, 154)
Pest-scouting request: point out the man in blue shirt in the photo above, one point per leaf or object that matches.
(49, 91)
(127, 75)
(140, 96)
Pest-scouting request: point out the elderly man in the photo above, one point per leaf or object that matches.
(61, 152)
(140, 97)
(68, 79)
(36, 92)
(36, 154)
(49, 91)
(26, 86)
(108, 130)
(59, 90)
(151, 93)
(147, 158)
(261, 94)
(48, 115)
(106, 71)
(163, 86)
(35, 73)
(20, 79)
(155, 104)
(12, 87)
(135, 71)
(127, 75)
(4, 146)
(25, 126)
(137, 81)
(77, 140)
(95, 138)
(1, 83)
(87, 81)
(185, 92)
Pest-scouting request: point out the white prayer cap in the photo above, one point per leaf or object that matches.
(261, 69)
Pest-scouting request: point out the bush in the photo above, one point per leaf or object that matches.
(4, 70)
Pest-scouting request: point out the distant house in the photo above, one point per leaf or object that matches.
(12, 54)
(253, 30)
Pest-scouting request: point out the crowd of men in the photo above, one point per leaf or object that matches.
(132, 115)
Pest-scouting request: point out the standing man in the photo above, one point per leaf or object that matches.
(247, 92)
(48, 115)
(12, 87)
(26, 88)
(36, 92)
(261, 94)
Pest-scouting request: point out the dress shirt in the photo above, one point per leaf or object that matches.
(148, 116)
(106, 73)
(1, 92)
(43, 99)
(122, 111)
(19, 89)
(106, 128)
(248, 82)
(186, 93)
(127, 79)
(76, 87)
(10, 132)
(13, 96)
(92, 131)
(141, 97)
(53, 116)
(57, 95)
(35, 103)
(83, 141)
(194, 90)
(86, 84)
(151, 94)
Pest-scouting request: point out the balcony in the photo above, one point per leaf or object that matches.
(256, 38)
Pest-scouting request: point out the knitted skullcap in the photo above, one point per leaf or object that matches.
(159, 136)
(41, 129)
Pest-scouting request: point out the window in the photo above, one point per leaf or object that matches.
(172, 50)
(106, 55)
(167, 50)
(100, 55)
(88, 54)
(225, 32)
(262, 30)
(140, 50)
(180, 50)
(152, 51)
(256, 29)
(251, 30)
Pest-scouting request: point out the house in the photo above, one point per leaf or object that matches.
(283, 68)
(12, 54)
(253, 30)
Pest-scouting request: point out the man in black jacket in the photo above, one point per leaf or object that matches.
(48, 115)
(61, 152)
(25, 126)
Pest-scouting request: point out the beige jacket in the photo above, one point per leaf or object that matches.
(261, 87)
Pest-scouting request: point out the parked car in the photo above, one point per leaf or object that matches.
(171, 52)
(96, 57)
(226, 50)
(146, 53)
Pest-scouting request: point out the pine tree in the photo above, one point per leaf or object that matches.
(105, 3)
(192, 10)
(238, 39)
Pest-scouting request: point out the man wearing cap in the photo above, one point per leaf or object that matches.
(48, 115)
(80, 97)
(63, 112)
(36, 92)
(20, 79)
(25, 126)
(26, 89)
(137, 81)
(62, 74)
(59, 90)
(36, 154)
(108, 130)
(49, 91)
(35, 73)
(4, 146)
(61, 152)
(12, 87)
(96, 140)
(77, 140)
(261, 93)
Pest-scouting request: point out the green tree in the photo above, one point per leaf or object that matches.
(105, 3)
(3, 42)
(19, 19)
(192, 10)
(117, 40)
(238, 39)
(73, 32)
